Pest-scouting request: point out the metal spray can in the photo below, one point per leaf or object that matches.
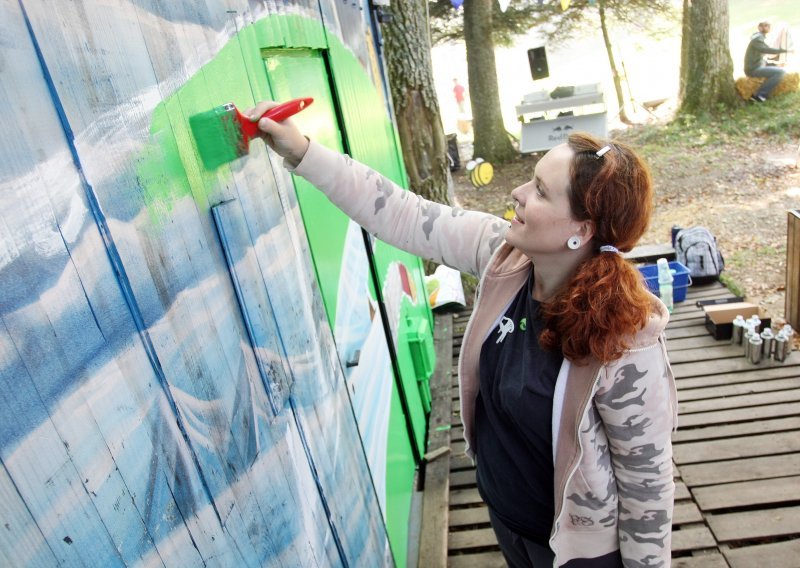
(756, 321)
(768, 337)
(738, 330)
(754, 355)
(748, 334)
(781, 347)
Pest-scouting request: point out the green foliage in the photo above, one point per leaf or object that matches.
(550, 20)
(778, 118)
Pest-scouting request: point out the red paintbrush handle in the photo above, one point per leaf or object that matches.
(278, 114)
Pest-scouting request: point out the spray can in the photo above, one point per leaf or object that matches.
(781, 347)
(738, 330)
(754, 355)
(756, 323)
(748, 335)
(665, 282)
(768, 337)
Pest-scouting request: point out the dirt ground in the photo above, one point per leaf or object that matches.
(741, 192)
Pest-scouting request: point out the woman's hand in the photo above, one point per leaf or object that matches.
(283, 137)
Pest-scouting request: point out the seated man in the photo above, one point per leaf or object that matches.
(754, 65)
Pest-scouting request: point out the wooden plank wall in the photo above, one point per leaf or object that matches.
(792, 309)
(141, 419)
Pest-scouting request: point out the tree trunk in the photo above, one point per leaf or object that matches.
(491, 142)
(708, 72)
(408, 58)
(686, 32)
(601, 7)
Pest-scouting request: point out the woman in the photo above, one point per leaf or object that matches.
(567, 397)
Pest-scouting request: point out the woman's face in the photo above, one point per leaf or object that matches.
(543, 221)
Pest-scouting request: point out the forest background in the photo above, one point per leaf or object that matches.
(735, 171)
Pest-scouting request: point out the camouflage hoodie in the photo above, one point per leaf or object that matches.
(612, 424)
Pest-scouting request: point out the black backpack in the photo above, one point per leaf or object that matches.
(696, 249)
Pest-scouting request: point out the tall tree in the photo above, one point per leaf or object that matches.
(491, 141)
(706, 64)
(407, 52)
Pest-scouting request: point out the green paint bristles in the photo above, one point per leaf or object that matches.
(219, 135)
(223, 133)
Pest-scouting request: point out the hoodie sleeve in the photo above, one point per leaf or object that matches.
(636, 403)
(460, 239)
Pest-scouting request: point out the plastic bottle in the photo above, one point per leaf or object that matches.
(665, 282)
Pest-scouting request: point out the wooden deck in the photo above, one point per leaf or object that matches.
(736, 452)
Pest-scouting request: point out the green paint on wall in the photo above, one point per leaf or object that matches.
(169, 170)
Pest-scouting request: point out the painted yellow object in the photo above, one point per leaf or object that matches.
(481, 174)
(509, 214)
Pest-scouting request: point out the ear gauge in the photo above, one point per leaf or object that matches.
(574, 242)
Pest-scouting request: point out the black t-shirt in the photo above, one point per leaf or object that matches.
(513, 423)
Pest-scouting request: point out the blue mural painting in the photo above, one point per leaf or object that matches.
(170, 388)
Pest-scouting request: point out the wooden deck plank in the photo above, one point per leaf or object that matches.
(762, 467)
(469, 517)
(481, 560)
(710, 353)
(750, 525)
(731, 448)
(696, 342)
(735, 364)
(784, 554)
(709, 560)
(685, 385)
(737, 389)
(461, 497)
(464, 478)
(475, 538)
(738, 414)
(434, 523)
(693, 538)
(748, 493)
(734, 430)
(686, 512)
(741, 401)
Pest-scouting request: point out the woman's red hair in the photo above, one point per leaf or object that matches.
(605, 301)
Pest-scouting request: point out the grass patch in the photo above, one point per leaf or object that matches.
(778, 118)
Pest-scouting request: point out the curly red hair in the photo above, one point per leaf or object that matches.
(605, 302)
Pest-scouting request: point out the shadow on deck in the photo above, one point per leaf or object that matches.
(736, 454)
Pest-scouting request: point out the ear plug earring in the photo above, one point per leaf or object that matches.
(574, 242)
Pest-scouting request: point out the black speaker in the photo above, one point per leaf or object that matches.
(537, 58)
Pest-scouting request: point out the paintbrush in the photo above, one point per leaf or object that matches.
(223, 133)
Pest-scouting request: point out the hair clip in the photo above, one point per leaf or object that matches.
(602, 151)
(609, 248)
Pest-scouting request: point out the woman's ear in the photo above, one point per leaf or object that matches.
(586, 230)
